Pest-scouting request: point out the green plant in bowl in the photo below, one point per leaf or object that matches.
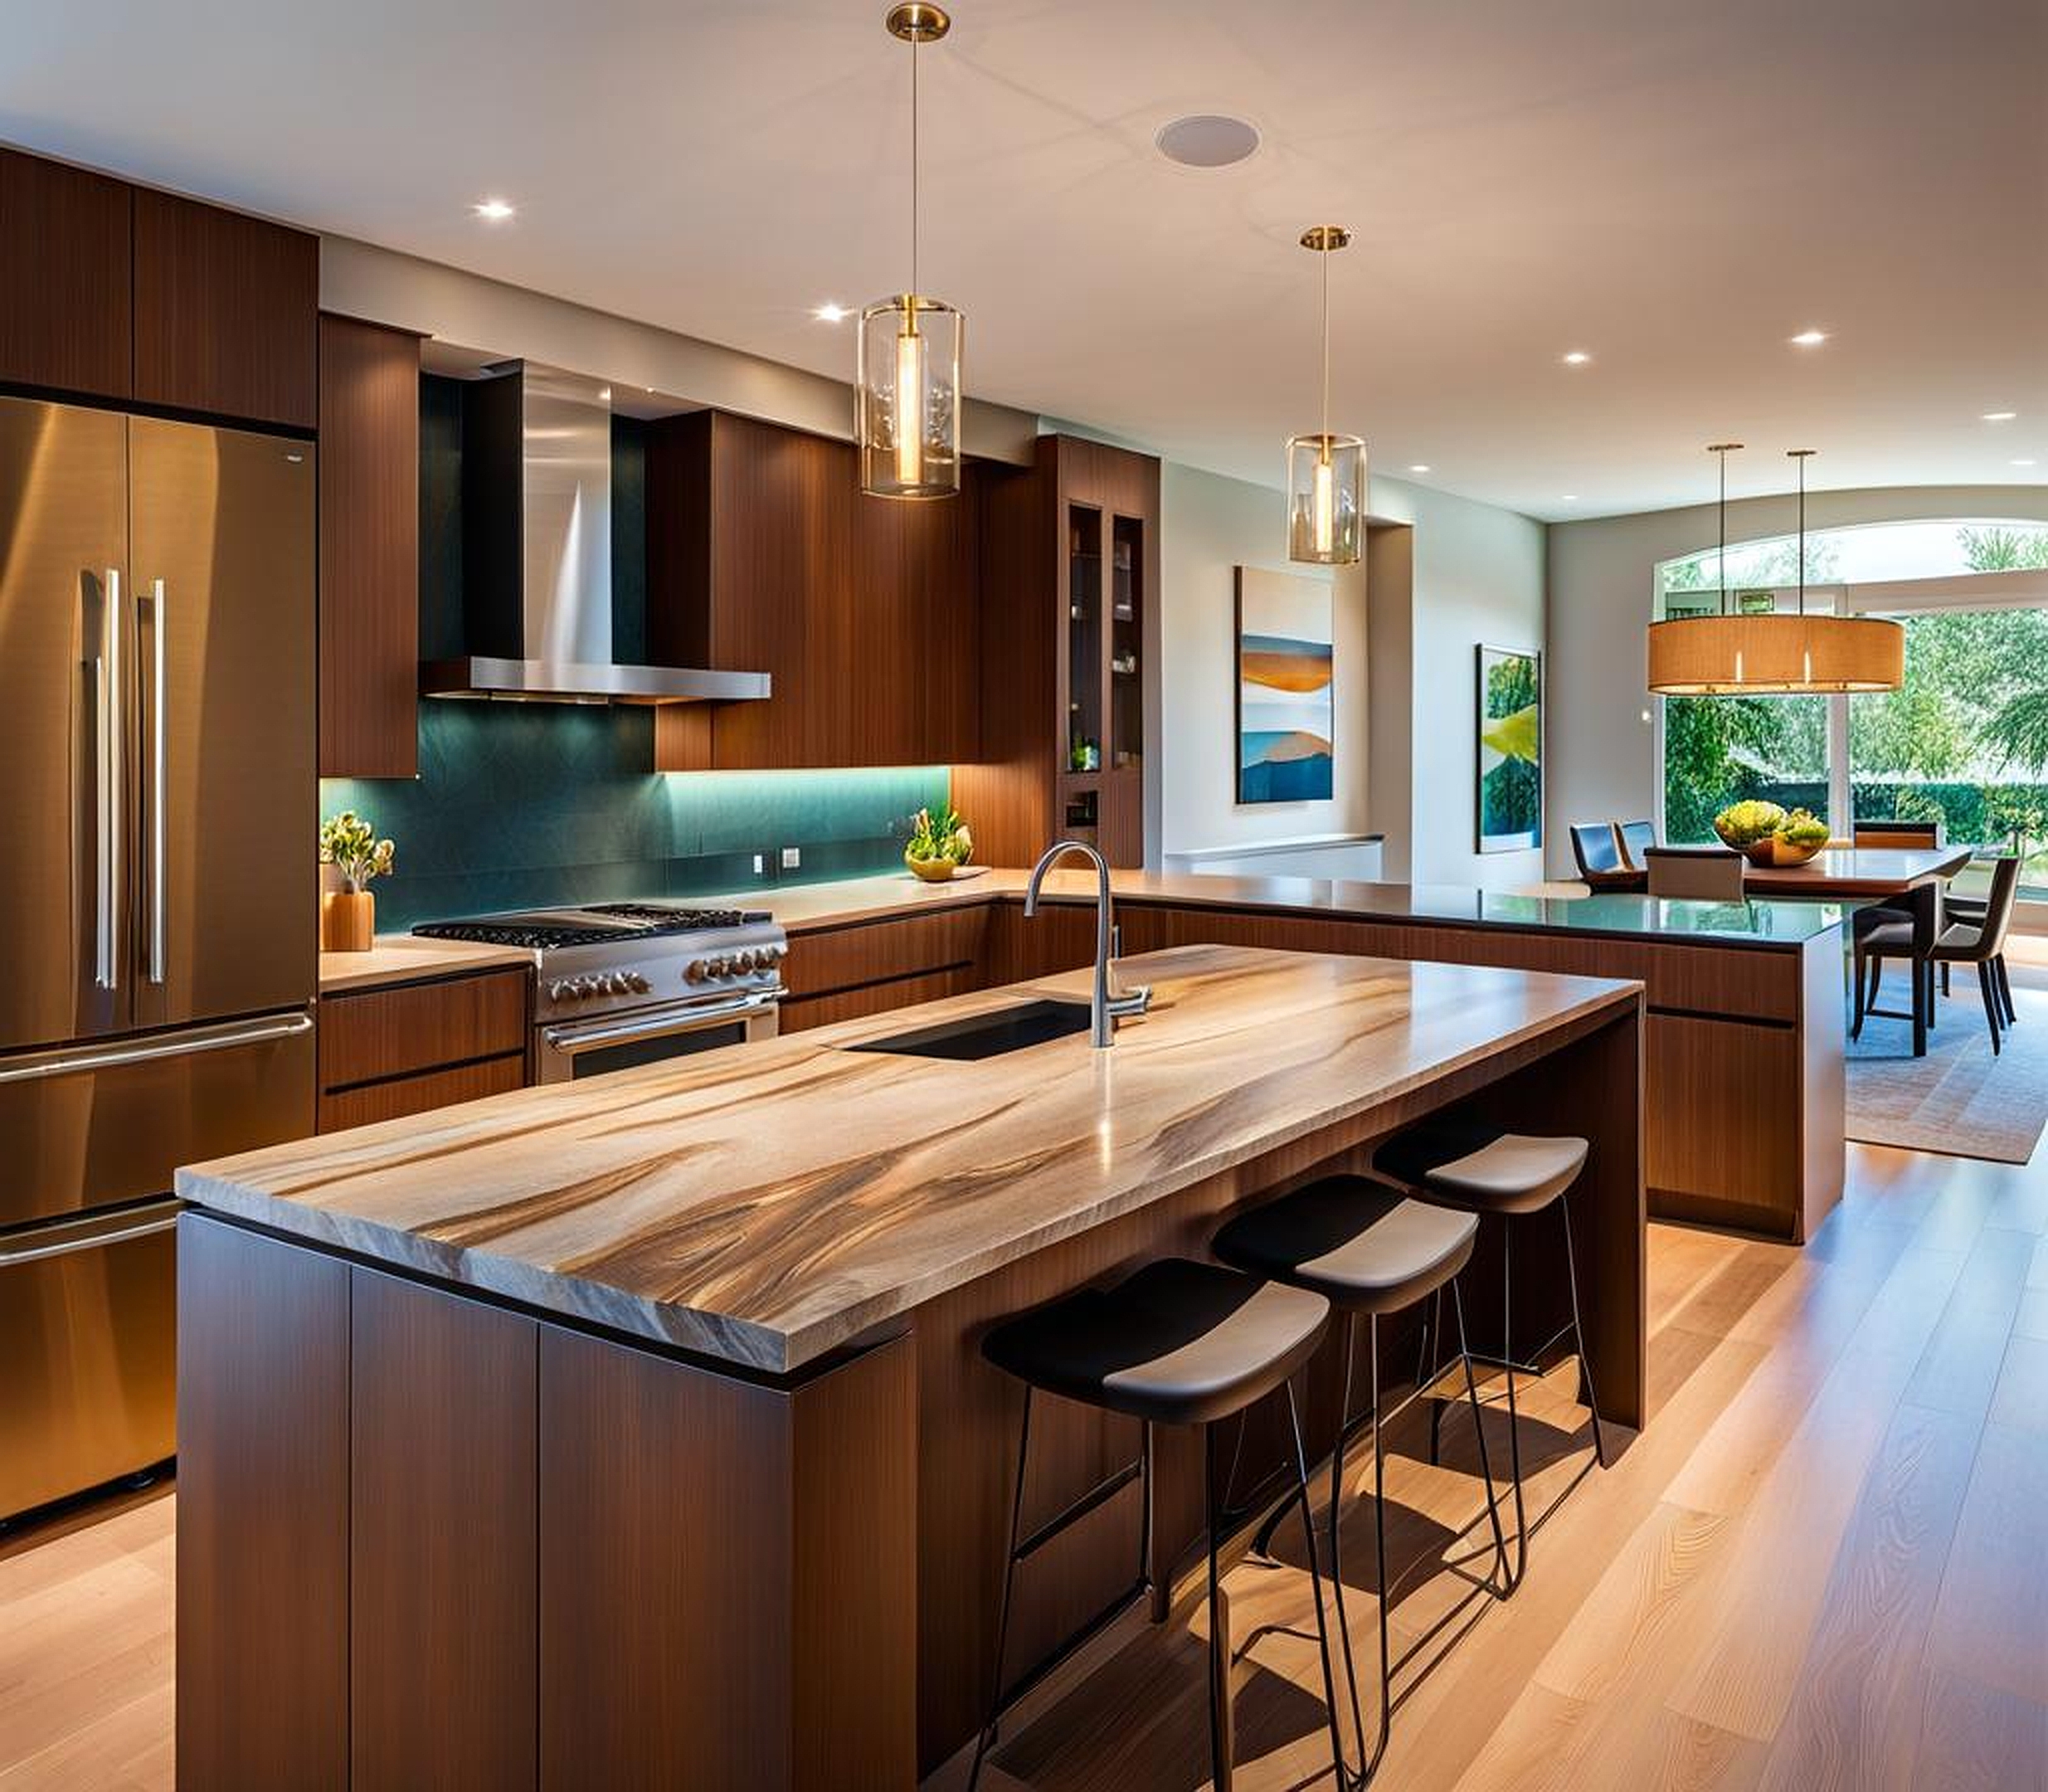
(939, 844)
(1803, 828)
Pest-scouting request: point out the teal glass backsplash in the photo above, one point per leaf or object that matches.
(518, 805)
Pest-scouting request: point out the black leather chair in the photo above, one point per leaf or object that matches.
(1928, 941)
(1598, 854)
(1638, 838)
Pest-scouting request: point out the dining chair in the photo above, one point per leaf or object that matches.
(1969, 910)
(1900, 836)
(1903, 927)
(1599, 853)
(1712, 873)
(1636, 838)
(1981, 943)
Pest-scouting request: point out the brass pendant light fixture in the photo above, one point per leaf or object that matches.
(907, 377)
(1325, 473)
(1770, 655)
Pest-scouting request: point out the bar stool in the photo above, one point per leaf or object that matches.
(1176, 1343)
(1370, 1252)
(1508, 1176)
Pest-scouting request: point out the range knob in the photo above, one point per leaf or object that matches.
(557, 990)
(694, 972)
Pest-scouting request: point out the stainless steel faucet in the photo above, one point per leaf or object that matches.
(1107, 1005)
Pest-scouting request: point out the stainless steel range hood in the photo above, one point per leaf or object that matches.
(536, 554)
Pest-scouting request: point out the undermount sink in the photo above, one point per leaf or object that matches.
(987, 1036)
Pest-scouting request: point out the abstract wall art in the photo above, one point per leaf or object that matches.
(1509, 750)
(1285, 725)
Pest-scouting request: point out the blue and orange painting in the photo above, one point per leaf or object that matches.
(1284, 696)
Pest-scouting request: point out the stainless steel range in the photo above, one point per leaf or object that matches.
(620, 984)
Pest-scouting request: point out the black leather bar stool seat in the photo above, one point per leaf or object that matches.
(1365, 1248)
(1483, 1172)
(1505, 1177)
(1370, 1251)
(1175, 1343)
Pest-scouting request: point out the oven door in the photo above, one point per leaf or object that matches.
(565, 1050)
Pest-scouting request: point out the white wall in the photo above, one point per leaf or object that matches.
(1208, 526)
(1602, 753)
(1447, 575)
(1475, 574)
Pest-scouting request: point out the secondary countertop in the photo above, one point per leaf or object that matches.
(1753, 923)
(768, 1203)
(400, 958)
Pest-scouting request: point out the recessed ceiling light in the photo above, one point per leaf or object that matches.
(1207, 140)
(2027, 461)
(1809, 339)
(1570, 497)
(831, 314)
(494, 211)
(1577, 357)
(1420, 466)
(2000, 416)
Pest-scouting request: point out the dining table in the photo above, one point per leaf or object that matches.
(1870, 874)
(1858, 874)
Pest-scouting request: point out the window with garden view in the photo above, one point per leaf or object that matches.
(1963, 741)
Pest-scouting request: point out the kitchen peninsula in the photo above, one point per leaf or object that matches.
(653, 1405)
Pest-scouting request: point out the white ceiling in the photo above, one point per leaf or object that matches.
(1675, 187)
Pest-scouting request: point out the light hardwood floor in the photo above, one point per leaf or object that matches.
(1823, 1568)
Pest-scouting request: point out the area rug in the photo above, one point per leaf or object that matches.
(1959, 1100)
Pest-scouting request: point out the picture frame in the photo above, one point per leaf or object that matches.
(1285, 717)
(1507, 746)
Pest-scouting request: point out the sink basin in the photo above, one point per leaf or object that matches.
(988, 1035)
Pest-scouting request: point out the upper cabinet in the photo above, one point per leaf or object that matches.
(227, 312)
(66, 255)
(115, 292)
(369, 549)
(763, 556)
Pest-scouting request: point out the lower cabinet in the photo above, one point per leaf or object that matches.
(428, 1541)
(409, 1047)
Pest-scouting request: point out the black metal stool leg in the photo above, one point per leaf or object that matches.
(1336, 1510)
(986, 1739)
(1221, 1742)
(1479, 1432)
(1579, 1336)
(1315, 1589)
(1436, 1369)
(1514, 1420)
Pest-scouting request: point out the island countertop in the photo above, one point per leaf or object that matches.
(767, 1203)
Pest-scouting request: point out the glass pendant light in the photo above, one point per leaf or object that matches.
(1770, 655)
(907, 382)
(1325, 473)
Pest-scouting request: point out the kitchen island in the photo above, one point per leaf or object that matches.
(633, 1432)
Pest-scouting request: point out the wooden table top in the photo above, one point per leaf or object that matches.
(1858, 871)
(768, 1203)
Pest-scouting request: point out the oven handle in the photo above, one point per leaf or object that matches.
(651, 1025)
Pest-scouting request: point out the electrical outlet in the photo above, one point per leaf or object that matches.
(792, 858)
(761, 863)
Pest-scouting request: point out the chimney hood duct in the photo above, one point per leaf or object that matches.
(536, 554)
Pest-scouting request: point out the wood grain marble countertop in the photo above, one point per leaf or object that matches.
(768, 1203)
(395, 958)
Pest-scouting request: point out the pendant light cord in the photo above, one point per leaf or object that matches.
(1721, 553)
(1802, 459)
(1326, 441)
(913, 178)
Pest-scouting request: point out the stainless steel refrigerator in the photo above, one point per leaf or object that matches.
(158, 892)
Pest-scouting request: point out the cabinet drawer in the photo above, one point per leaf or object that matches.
(399, 1096)
(881, 952)
(421, 1026)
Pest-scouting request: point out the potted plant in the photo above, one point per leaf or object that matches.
(348, 915)
(939, 845)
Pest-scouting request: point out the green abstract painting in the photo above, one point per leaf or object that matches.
(1510, 804)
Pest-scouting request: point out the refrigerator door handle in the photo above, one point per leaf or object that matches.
(109, 772)
(159, 780)
(79, 1059)
(92, 1234)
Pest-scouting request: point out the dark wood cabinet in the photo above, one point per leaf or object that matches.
(1070, 557)
(66, 255)
(764, 556)
(411, 1047)
(369, 549)
(227, 311)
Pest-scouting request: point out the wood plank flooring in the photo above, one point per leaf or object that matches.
(1820, 1569)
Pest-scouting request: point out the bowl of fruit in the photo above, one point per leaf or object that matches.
(940, 844)
(1767, 835)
